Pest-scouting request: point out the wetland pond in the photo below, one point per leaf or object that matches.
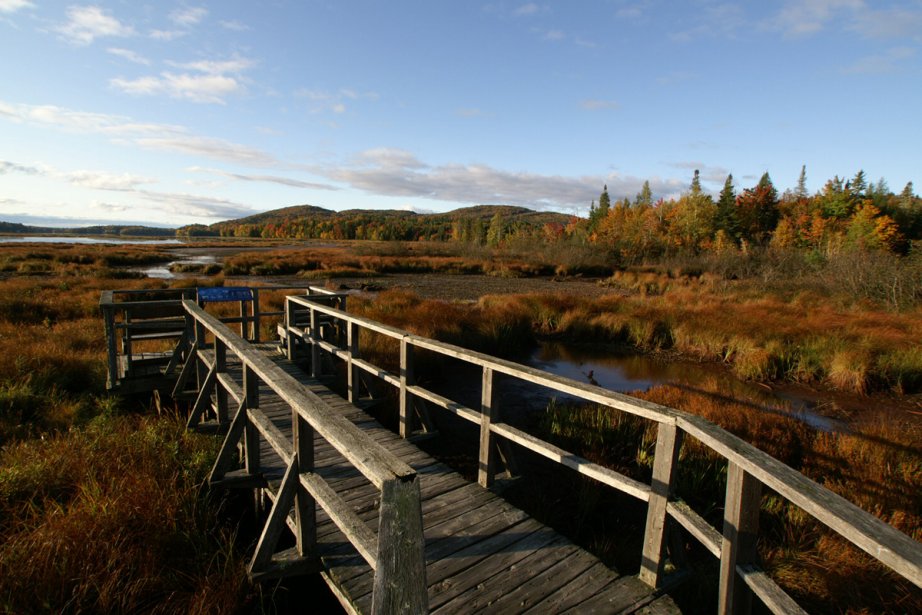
(625, 372)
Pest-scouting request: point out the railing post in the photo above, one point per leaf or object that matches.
(668, 443)
(315, 345)
(289, 323)
(400, 571)
(220, 363)
(354, 375)
(305, 506)
(112, 345)
(200, 370)
(406, 379)
(251, 432)
(487, 462)
(257, 316)
(740, 532)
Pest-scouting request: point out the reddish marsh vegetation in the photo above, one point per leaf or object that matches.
(100, 510)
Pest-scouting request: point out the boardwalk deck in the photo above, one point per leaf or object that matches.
(482, 554)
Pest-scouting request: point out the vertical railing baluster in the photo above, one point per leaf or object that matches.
(406, 380)
(488, 412)
(251, 432)
(289, 323)
(305, 506)
(257, 317)
(740, 532)
(112, 345)
(668, 443)
(315, 346)
(220, 358)
(353, 375)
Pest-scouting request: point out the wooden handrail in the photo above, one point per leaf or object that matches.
(396, 554)
(750, 466)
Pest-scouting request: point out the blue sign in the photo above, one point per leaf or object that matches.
(224, 293)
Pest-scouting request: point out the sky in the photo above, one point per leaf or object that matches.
(174, 113)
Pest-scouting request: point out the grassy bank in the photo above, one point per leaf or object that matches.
(101, 509)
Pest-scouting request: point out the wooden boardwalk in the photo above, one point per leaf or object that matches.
(482, 554)
(394, 531)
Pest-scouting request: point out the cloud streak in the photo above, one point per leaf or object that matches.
(87, 23)
(394, 172)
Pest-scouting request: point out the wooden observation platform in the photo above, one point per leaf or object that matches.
(393, 530)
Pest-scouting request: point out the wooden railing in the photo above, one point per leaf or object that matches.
(395, 554)
(748, 468)
(132, 317)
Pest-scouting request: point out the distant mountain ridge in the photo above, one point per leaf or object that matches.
(313, 217)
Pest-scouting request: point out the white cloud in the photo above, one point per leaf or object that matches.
(166, 35)
(335, 102)
(11, 6)
(600, 105)
(129, 55)
(881, 63)
(107, 181)
(804, 17)
(273, 179)
(216, 149)
(890, 24)
(166, 137)
(554, 35)
(395, 172)
(196, 88)
(211, 82)
(234, 25)
(526, 9)
(87, 23)
(187, 17)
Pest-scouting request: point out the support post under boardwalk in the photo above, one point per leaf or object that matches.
(668, 443)
(400, 572)
(741, 529)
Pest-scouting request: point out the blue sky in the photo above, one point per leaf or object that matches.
(174, 113)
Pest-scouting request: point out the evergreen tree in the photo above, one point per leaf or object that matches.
(696, 183)
(907, 195)
(801, 191)
(597, 214)
(645, 197)
(726, 219)
(859, 184)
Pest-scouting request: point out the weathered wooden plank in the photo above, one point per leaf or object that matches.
(697, 526)
(668, 442)
(530, 581)
(354, 528)
(891, 547)
(626, 595)
(740, 532)
(587, 585)
(400, 572)
(567, 459)
(768, 591)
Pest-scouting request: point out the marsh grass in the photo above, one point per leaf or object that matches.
(877, 465)
(111, 518)
(101, 510)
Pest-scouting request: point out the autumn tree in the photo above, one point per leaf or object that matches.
(757, 210)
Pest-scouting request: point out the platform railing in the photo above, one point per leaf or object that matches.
(396, 553)
(748, 468)
(133, 317)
